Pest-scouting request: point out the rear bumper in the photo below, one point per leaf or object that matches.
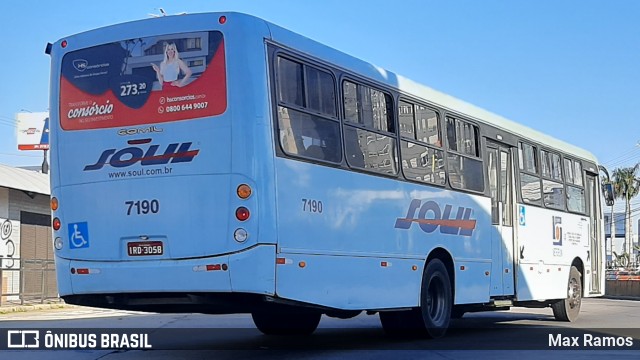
(249, 271)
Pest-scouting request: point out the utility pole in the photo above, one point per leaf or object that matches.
(45, 163)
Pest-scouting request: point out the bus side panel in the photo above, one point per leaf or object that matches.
(470, 288)
(548, 242)
(350, 283)
(542, 281)
(353, 222)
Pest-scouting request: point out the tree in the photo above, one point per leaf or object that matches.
(627, 185)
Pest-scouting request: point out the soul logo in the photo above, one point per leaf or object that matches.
(174, 153)
(431, 217)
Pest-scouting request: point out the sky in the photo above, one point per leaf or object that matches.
(570, 69)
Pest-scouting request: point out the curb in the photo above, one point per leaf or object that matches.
(621, 297)
(36, 307)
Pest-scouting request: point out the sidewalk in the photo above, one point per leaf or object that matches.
(621, 297)
(14, 308)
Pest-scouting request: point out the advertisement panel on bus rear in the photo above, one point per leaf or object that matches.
(144, 81)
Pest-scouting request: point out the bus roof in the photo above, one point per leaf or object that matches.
(312, 48)
(335, 57)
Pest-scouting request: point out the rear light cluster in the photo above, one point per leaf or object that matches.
(242, 213)
(84, 271)
(211, 267)
(56, 224)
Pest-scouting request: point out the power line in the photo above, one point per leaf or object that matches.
(625, 162)
(616, 158)
(23, 155)
(632, 155)
(622, 219)
(8, 122)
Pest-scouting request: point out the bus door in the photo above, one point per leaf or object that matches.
(595, 251)
(500, 170)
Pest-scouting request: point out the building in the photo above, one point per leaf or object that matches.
(27, 271)
(618, 245)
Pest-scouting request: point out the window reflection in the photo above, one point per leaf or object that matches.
(370, 151)
(368, 107)
(554, 196)
(530, 186)
(465, 173)
(576, 199)
(427, 128)
(308, 135)
(422, 163)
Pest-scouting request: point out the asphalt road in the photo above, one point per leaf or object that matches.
(518, 333)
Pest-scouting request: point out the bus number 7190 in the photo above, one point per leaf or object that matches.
(143, 207)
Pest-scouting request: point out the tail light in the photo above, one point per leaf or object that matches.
(242, 213)
(56, 224)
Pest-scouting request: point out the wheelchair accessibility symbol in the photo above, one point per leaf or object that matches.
(78, 235)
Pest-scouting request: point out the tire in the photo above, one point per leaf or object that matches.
(568, 309)
(286, 321)
(436, 299)
(403, 323)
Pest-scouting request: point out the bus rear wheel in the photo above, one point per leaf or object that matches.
(436, 298)
(283, 320)
(568, 309)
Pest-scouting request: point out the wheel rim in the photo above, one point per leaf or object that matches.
(436, 300)
(574, 293)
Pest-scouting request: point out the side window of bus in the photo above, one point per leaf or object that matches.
(578, 173)
(422, 160)
(290, 85)
(307, 116)
(308, 135)
(529, 179)
(368, 107)
(552, 187)
(576, 198)
(463, 157)
(321, 91)
(368, 131)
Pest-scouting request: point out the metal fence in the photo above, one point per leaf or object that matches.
(27, 281)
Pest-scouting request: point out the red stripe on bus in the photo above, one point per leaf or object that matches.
(462, 224)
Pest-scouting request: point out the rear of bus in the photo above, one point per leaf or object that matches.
(160, 167)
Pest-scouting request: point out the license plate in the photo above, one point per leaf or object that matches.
(145, 248)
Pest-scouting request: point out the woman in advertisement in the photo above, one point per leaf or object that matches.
(171, 66)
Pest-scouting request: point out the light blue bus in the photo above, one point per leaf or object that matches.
(218, 163)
